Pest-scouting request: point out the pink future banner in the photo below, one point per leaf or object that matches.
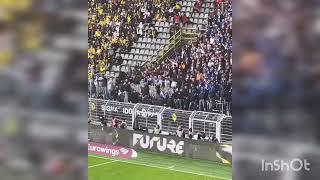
(111, 151)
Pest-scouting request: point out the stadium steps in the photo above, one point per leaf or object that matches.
(142, 50)
(200, 19)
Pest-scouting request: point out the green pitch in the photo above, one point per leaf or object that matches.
(150, 166)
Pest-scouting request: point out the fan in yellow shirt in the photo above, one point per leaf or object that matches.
(98, 51)
(90, 75)
(91, 52)
(125, 41)
(129, 19)
(116, 18)
(102, 66)
(102, 22)
(104, 45)
(107, 19)
(97, 33)
(114, 40)
(100, 10)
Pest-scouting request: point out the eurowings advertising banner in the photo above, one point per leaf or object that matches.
(111, 151)
(172, 145)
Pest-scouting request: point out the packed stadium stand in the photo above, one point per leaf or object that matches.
(169, 53)
(42, 89)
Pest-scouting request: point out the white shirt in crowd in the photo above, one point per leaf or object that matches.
(174, 84)
(110, 84)
(179, 133)
(167, 83)
(212, 40)
(156, 131)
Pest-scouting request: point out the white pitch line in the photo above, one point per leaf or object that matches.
(102, 164)
(161, 167)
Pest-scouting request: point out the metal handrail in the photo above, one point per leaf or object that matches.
(165, 49)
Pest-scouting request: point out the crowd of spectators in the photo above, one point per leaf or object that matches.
(113, 26)
(192, 79)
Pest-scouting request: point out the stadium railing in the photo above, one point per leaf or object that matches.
(165, 50)
(148, 116)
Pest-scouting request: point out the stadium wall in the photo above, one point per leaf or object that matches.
(171, 145)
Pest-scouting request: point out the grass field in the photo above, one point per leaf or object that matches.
(150, 166)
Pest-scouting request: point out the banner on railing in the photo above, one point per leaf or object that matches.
(126, 110)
